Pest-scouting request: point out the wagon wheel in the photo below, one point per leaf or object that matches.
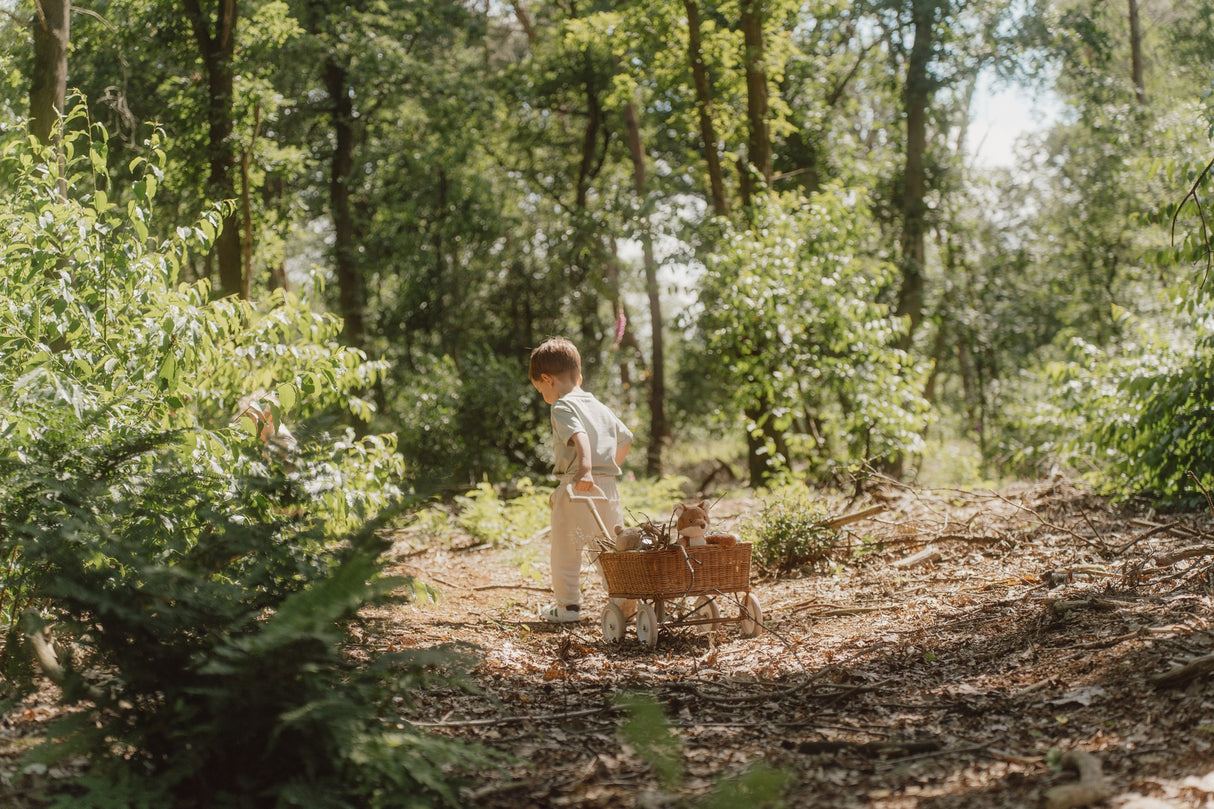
(705, 610)
(613, 623)
(647, 625)
(752, 616)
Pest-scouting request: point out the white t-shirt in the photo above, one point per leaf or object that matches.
(580, 412)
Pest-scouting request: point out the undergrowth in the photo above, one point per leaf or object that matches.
(200, 649)
(187, 592)
(648, 731)
(490, 514)
(199, 640)
(787, 533)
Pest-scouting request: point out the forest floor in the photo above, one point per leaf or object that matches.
(1043, 621)
(977, 638)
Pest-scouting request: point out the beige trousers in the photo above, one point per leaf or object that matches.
(573, 529)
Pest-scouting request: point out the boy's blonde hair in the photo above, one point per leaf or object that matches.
(555, 356)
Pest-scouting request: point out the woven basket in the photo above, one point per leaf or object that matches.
(673, 573)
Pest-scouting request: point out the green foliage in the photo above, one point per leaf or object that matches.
(650, 735)
(485, 515)
(791, 331)
(1135, 422)
(647, 730)
(759, 785)
(444, 408)
(1132, 413)
(202, 640)
(787, 534)
(195, 588)
(92, 313)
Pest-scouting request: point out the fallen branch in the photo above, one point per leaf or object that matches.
(1066, 575)
(1182, 674)
(1175, 527)
(508, 587)
(926, 556)
(1191, 552)
(1152, 531)
(835, 523)
(1091, 788)
(1061, 606)
(980, 539)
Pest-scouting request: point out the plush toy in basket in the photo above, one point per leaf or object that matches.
(659, 570)
(692, 524)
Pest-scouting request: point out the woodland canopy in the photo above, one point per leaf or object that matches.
(763, 223)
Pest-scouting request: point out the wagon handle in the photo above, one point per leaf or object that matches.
(588, 498)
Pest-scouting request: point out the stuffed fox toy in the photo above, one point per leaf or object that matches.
(692, 526)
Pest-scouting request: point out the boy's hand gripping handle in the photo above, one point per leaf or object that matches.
(588, 498)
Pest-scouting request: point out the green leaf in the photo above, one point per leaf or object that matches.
(168, 372)
(286, 396)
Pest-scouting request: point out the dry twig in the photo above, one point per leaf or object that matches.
(1191, 552)
(1183, 674)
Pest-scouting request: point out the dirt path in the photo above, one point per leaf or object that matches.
(953, 683)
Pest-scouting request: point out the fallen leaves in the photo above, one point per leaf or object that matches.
(942, 687)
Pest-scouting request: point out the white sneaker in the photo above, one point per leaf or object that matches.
(556, 614)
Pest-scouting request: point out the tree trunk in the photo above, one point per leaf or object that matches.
(708, 135)
(350, 282)
(1140, 91)
(759, 141)
(756, 177)
(761, 442)
(217, 50)
(592, 156)
(916, 99)
(657, 375)
(246, 210)
(48, 84)
(273, 190)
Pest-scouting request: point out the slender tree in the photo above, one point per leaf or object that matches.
(704, 110)
(657, 376)
(216, 41)
(916, 100)
(351, 291)
(48, 84)
(758, 152)
(1140, 91)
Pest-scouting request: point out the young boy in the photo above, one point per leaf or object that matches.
(590, 443)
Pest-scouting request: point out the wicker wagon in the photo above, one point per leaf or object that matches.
(661, 581)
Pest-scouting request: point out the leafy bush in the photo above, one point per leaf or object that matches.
(787, 534)
(202, 647)
(445, 407)
(792, 332)
(186, 592)
(487, 516)
(1134, 421)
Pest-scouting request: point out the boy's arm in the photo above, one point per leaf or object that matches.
(621, 452)
(585, 469)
